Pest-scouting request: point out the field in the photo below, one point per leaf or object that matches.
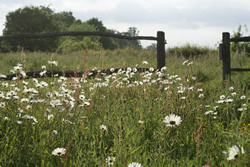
(187, 118)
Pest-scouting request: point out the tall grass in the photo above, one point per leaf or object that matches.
(121, 115)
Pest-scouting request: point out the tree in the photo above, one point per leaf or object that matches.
(72, 44)
(152, 47)
(107, 42)
(132, 32)
(240, 46)
(31, 19)
(64, 20)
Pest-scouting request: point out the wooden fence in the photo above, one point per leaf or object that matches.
(160, 40)
(225, 54)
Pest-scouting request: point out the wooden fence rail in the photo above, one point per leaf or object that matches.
(225, 54)
(160, 40)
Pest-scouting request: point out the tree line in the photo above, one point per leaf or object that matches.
(42, 19)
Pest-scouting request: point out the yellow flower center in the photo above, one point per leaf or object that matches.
(236, 156)
(172, 122)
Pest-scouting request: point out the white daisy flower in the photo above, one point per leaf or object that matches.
(81, 97)
(54, 132)
(234, 152)
(233, 94)
(134, 164)
(50, 116)
(222, 97)
(163, 69)
(209, 112)
(19, 122)
(172, 120)
(53, 63)
(201, 95)
(185, 62)
(140, 122)
(220, 101)
(144, 62)
(151, 69)
(243, 97)
(229, 100)
(199, 90)
(2, 104)
(3, 76)
(110, 161)
(59, 151)
(103, 127)
(5, 85)
(183, 98)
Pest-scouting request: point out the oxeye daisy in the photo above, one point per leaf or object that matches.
(222, 97)
(2, 104)
(50, 116)
(140, 122)
(234, 152)
(163, 69)
(3, 76)
(53, 63)
(110, 161)
(172, 120)
(103, 127)
(134, 164)
(59, 151)
(243, 97)
(82, 97)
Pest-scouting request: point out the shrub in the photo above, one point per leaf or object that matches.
(188, 51)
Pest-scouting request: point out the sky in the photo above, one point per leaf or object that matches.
(197, 22)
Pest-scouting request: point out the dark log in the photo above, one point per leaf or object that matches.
(241, 39)
(75, 33)
(36, 74)
(240, 69)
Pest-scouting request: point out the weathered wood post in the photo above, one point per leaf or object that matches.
(226, 56)
(160, 49)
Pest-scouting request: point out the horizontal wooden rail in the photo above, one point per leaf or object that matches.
(76, 33)
(240, 69)
(241, 39)
(36, 74)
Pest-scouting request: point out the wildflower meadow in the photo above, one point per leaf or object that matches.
(180, 115)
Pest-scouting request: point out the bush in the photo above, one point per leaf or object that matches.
(188, 51)
(69, 45)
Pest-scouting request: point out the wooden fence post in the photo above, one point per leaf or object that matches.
(160, 49)
(226, 56)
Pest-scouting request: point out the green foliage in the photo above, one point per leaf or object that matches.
(152, 47)
(240, 46)
(188, 51)
(78, 43)
(31, 20)
(70, 45)
(107, 42)
(132, 31)
(64, 20)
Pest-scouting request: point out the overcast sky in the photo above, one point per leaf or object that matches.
(198, 22)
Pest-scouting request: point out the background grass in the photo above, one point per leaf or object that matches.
(119, 103)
